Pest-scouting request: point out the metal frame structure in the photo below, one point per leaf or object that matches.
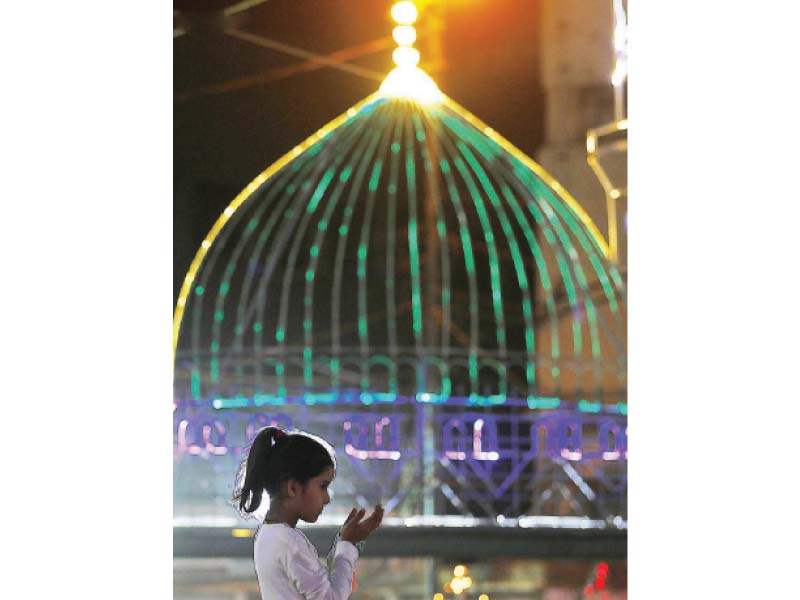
(411, 286)
(408, 276)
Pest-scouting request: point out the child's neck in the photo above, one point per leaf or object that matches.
(279, 514)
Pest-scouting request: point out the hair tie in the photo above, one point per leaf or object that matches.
(279, 434)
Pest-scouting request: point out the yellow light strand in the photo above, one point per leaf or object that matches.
(240, 199)
(559, 189)
(242, 533)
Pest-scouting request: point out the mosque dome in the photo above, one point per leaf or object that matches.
(404, 250)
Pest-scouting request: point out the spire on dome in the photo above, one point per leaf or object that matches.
(407, 80)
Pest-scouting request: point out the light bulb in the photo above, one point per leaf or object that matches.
(404, 13)
(405, 57)
(405, 35)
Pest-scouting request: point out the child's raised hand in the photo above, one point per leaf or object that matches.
(356, 528)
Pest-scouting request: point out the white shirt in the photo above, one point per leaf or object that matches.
(289, 568)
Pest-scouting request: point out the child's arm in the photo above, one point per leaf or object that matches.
(332, 552)
(312, 580)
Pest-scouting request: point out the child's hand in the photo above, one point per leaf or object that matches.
(355, 529)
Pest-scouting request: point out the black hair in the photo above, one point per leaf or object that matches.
(275, 456)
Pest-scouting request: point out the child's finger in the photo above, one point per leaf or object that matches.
(350, 516)
(376, 516)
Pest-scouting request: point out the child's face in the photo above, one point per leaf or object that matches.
(313, 498)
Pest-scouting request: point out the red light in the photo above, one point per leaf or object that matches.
(600, 583)
(602, 569)
(588, 590)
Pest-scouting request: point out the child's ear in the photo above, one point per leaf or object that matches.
(291, 488)
(286, 489)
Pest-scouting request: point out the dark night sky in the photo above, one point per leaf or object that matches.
(224, 136)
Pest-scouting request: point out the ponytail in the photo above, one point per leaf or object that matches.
(275, 456)
(253, 473)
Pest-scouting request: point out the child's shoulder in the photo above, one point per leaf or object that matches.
(278, 530)
(278, 537)
(269, 533)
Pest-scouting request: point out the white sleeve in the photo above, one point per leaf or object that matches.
(310, 578)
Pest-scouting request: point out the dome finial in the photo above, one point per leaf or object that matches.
(407, 80)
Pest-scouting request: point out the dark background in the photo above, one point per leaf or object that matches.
(239, 106)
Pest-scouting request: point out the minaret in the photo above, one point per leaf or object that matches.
(607, 145)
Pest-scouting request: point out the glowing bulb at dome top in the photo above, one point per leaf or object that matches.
(413, 83)
(405, 35)
(460, 570)
(404, 13)
(405, 57)
(407, 80)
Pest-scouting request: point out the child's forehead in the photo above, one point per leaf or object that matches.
(327, 473)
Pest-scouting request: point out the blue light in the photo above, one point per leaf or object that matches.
(219, 403)
(534, 402)
(311, 399)
(428, 398)
(370, 397)
(495, 400)
(262, 399)
(590, 407)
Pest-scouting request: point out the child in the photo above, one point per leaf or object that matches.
(296, 469)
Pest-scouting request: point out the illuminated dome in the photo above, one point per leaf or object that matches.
(404, 250)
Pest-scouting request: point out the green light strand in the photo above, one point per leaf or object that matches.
(586, 299)
(413, 242)
(208, 269)
(256, 258)
(481, 142)
(563, 266)
(322, 225)
(469, 265)
(516, 255)
(596, 260)
(391, 234)
(565, 212)
(298, 170)
(361, 270)
(342, 148)
(541, 266)
(341, 245)
(314, 252)
(494, 262)
(444, 254)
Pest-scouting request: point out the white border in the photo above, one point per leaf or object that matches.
(712, 300)
(86, 247)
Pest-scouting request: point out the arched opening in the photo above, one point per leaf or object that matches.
(491, 381)
(460, 386)
(407, 379)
